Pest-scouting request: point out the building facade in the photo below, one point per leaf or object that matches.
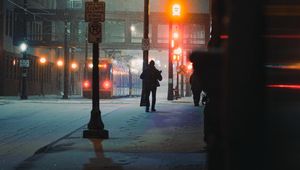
(48, 26)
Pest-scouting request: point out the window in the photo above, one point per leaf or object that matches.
(9, 23)
(114, 31)
(75, 4)
(34, 30)
(194, 34)
(137, 32)
(162, 33)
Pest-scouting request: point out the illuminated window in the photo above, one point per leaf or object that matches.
(75, 4)
(114, 31)
(194, 34)
(163, 34)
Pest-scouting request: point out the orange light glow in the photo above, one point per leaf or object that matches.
(175, 35)
(103, 66)
(90, 65)
(295, 66)
(60, 63)
(86, 84)
(74, 66)
(43, 60)
(178, 51)
(175, 9)
(106, 84)
(176, 57)
(190, 66)
(284, 86)
(172, 43)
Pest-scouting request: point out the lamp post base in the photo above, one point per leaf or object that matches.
(23, 97)
(96, 133)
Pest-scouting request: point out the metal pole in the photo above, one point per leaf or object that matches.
(170, 81)
(177, 80)
(182, 60)
(85, 56)
(72, 73)
(24, 57)
(42, 79)
(145, 46)
(95, 125)
(146, 32)
(66, 63)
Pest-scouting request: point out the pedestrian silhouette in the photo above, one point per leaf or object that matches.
(207, 78)
(151, 77)
(195, 82)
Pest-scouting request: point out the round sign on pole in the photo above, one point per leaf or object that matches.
(145, 44)
(95, 31)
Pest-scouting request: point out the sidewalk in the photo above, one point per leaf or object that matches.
(171, 138)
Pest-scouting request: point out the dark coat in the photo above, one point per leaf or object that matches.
(195, 81)
(151, 76)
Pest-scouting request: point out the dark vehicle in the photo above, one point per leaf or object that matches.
(116, 80)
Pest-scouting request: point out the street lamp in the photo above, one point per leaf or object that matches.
(43, 60)
(59, 64)
(74, 66)
(23, 47)
(24, 63)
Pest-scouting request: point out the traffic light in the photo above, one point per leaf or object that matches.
(176, 10)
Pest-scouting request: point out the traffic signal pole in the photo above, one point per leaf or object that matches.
(170, 80)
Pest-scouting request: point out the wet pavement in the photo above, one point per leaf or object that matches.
(171, 138)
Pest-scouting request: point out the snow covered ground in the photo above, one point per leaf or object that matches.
(27, 125)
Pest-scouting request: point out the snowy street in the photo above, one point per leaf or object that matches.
(26, 126)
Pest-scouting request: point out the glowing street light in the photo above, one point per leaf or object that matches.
(23, 47)
(74, 66)
(24, 63)
(132, 28)
(90, 65)
(60, 63)
(43, 60)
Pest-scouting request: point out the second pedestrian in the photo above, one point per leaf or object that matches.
(151, 77)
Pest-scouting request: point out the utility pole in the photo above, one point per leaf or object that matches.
(85, 56)
(66, 60)
(72, 72)
(182, 83)
(145, 47)
(146, 41)
(170, 80)
(24, 58)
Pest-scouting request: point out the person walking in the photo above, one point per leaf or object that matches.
(196, 84)
(151, 77)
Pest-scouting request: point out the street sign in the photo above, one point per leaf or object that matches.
(95, 11)
(145, 44)
(24, 63)
(95, 32)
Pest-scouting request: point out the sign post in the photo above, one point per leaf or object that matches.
(95, 14)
